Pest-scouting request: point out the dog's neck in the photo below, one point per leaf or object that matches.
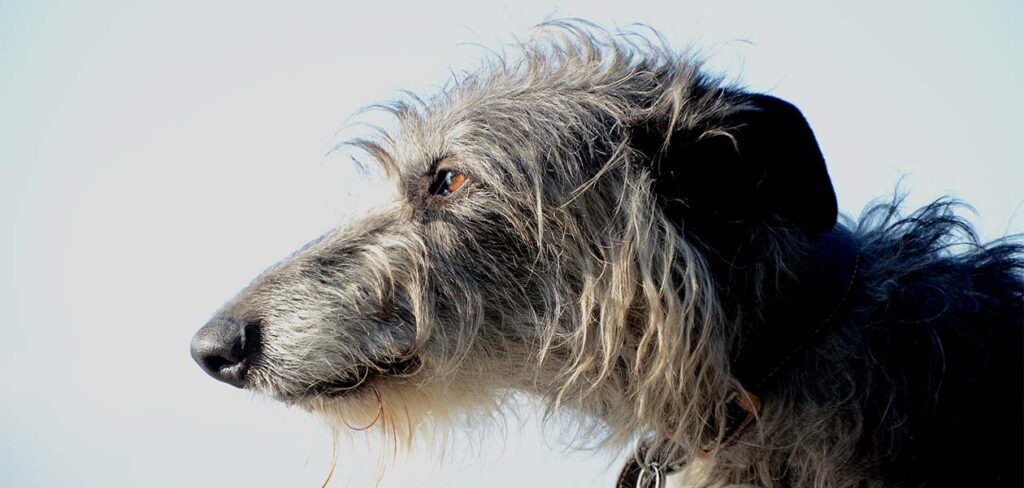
(779, 300)
(803, 308)
(796, 312)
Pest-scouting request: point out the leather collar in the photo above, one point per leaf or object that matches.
(799, 315)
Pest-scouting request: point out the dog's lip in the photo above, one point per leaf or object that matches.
(243, 372)
(358, 377)
(362, 375)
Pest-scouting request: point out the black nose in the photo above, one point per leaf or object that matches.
(223, 348)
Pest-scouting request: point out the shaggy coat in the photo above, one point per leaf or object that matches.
(598, 222)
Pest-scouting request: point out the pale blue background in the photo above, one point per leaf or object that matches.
(155, 156)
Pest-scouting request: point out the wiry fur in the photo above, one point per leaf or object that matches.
(557, 271)
(913, 385)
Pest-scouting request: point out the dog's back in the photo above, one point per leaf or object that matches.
(944, 323)
(931, 352)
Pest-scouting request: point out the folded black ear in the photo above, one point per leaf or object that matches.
(759, 160)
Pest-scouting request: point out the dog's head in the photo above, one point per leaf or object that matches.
(560, 220)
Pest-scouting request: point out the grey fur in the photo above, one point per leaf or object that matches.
(555, 271)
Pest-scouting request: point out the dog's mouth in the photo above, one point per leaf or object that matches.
(361, 376)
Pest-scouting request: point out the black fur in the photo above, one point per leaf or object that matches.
(924, 368)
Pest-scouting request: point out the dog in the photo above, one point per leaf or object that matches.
(598, 222)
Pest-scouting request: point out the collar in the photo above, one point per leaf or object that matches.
(800, 315)
(801, 312)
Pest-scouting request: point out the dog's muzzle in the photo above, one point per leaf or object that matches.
(224, 348)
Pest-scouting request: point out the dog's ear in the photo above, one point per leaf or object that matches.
(760, 159)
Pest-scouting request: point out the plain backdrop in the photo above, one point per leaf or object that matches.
(155, 156)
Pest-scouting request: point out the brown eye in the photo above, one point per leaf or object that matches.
(447, 182)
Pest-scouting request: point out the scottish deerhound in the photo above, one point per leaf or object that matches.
(599, 222)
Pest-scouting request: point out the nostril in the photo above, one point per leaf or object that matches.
(217, 363)
(250, 338)
(223, 346)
